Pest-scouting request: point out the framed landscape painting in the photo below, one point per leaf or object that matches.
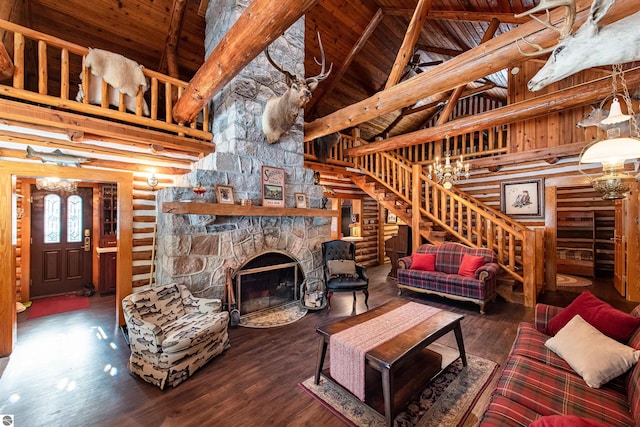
(272, 186)
(523, 199)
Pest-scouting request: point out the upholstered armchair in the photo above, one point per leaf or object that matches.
(172, 333)
(341, 273)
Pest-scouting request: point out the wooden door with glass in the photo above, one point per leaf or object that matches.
(61, 247)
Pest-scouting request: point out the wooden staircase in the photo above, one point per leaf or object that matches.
(401, 208)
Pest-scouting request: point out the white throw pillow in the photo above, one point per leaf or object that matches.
(593, 355)
(342, 267)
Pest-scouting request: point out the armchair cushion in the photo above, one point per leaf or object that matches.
(469, 265)
(342, 267)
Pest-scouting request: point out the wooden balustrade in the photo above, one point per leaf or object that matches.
(41, 88)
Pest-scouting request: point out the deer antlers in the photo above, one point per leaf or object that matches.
(565, 30)
(309, 80)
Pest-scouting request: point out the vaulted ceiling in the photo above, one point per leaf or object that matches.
(361, 38)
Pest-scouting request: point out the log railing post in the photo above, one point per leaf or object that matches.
(529, 287)
(416, 195)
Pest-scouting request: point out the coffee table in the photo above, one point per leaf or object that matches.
(395, 360)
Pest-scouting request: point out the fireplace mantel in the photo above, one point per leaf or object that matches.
(199, 208)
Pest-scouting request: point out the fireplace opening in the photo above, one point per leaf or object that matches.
(268, 280)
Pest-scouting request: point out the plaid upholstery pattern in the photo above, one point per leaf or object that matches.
(445, 280)
(536, 382)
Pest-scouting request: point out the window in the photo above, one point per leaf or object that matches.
(74, 219)
(52, 218)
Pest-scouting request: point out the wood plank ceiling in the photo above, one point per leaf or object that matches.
(361, 37)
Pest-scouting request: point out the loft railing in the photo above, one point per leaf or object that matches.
(33, 53)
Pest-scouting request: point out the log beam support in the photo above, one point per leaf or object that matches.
(259, 25)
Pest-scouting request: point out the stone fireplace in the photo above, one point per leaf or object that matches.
(195, 250)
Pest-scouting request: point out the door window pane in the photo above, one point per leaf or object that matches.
(52, 218)
(74, 219)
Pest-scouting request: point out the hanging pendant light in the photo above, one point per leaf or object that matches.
(615, 150)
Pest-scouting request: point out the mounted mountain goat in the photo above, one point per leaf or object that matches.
(281, 112)
(590, 46)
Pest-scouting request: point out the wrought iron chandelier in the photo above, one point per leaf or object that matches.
(57, 184)
(616, 149)
(448, 174)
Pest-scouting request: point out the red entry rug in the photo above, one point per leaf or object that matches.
(55, 305)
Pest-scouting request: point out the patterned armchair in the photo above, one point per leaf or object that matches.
(172, 333)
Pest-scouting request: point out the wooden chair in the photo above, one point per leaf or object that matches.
(341, 273)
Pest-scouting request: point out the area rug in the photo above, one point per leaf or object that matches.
(446, 401)
(569, 281)
(56, 305)
(274, 316)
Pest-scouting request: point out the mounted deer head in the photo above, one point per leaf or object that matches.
(281, 112)
(590, 46)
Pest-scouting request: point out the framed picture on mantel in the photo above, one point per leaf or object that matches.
(272, 186)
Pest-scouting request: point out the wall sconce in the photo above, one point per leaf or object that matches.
(152, 180)
(316, 178)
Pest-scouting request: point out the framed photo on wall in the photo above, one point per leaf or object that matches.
(523, 199)
(301, 200)
(272, 186)
(391, 217)
(225, 194)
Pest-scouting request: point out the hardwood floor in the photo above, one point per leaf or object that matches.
(71, 369)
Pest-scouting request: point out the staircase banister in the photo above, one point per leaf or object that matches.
(50, 40)
(507, 223)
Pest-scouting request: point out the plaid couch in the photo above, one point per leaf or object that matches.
(172, 333)
(536, 382)
(445, 281)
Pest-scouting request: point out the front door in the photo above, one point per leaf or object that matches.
(619, 249)
(61, 241)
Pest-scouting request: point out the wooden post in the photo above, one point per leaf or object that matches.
(8, 323)
(495, 55)
(633, 244)
(260, 24)
(550, 226)
(529, 262)
(416, 190)
(540, 270)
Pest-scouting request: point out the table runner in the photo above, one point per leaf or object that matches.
(348, 348)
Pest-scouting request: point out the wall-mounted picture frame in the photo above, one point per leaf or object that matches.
(301, 200)
(523, 199)
(225, 194)
(391, 217)
(272, 186)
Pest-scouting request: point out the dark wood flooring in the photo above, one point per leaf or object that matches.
(70, 369)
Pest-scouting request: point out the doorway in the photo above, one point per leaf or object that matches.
(61, 243)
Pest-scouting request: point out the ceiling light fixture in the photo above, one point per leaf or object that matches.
(448, 174)
(57, 184)
(616, 149)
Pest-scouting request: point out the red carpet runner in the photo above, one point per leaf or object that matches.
(55, 305)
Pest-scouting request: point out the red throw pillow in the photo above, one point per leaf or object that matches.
(469, 265)
(425, 262)
(566, 421)
(602, 316)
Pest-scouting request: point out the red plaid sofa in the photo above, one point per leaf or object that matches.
(536, 382)
(445, 281)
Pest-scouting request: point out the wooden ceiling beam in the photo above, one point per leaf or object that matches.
(28, 115)
(324, 89)
(453, 100)
(409, 42)
(495, 55)
(460, 15)
(572, 97)
(440, 50)
(170, 50)
(260, 24)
